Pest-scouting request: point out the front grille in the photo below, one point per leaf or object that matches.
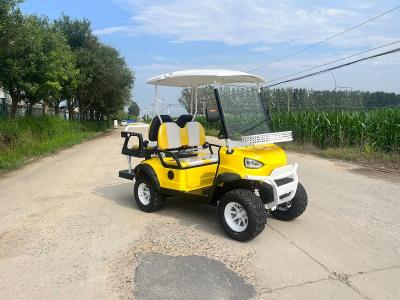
(283, 181)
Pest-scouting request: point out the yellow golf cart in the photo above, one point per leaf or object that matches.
(246, 175)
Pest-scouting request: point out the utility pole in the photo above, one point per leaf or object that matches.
(288, 98)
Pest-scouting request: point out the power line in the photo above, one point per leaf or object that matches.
(325, 40)
(335, 67)
(335, 61)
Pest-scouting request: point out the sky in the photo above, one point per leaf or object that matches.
(159, 36)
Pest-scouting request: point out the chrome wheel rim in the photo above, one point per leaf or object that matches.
(236, 217)
(144, 193)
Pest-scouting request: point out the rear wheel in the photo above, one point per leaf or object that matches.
(242, 214)
(294, 208)
(146, 196)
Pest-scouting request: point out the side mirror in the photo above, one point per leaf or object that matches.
(212, 114)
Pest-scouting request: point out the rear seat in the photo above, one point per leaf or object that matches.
(171, 136)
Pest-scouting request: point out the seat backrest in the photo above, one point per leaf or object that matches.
(195, 134)
(155, 125)
(183, 119)
(170, 136)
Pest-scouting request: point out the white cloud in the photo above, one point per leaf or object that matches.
(283, 26)
(258, 21)
(111, 30)
(260, 49)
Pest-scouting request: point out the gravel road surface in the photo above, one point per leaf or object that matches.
(69, 228)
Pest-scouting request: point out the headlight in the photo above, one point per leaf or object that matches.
(252, 163)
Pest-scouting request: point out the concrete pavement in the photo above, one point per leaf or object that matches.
(69, 228)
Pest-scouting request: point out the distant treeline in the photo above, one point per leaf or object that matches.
(326, 100)
(45, 62)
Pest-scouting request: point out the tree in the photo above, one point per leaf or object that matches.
(37, 63)
(52, 65)
(105, 82)
(43, 62)
(14, 52)
(205, 98)
(62, 73)
(83, 43)
(133, 109)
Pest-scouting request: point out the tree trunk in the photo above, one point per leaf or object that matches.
(70, 110)
(29, 109)
(71, 113)
(57, 107)
(14, 103)
(81, 112)
(43, 109)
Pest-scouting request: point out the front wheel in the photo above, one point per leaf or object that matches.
(242, 214)
(294, 208)
(146, 196)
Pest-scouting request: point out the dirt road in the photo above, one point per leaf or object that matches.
(69, 229)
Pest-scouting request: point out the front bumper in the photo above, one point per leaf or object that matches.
(283, 181)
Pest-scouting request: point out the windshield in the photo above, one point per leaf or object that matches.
(243, 111)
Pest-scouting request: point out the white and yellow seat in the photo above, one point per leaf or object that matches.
(172, 137)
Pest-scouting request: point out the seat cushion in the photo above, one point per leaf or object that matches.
(199, 160)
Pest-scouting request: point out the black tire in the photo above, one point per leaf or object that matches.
(297, 206)
(256, 213)
(155, 200)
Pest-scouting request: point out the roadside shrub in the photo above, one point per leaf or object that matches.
(23, 138)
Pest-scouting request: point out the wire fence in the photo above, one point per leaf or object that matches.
(36, 111)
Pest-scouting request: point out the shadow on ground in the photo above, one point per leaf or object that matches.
(188, 212)
(161, 276)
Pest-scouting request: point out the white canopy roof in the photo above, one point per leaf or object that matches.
(195, 78)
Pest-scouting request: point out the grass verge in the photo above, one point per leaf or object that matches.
(22, 139)
(374, 158)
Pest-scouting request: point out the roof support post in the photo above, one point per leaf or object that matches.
(194, 91)
(191, 101)
(156, 102)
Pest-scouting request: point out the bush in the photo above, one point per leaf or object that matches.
(24, 138)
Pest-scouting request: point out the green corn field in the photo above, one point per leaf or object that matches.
(376, 129)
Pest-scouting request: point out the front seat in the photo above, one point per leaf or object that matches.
(155, 126)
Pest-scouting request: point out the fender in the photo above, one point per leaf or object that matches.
(265, 190)
(147, 170)
(227, 177)
(230, 181)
